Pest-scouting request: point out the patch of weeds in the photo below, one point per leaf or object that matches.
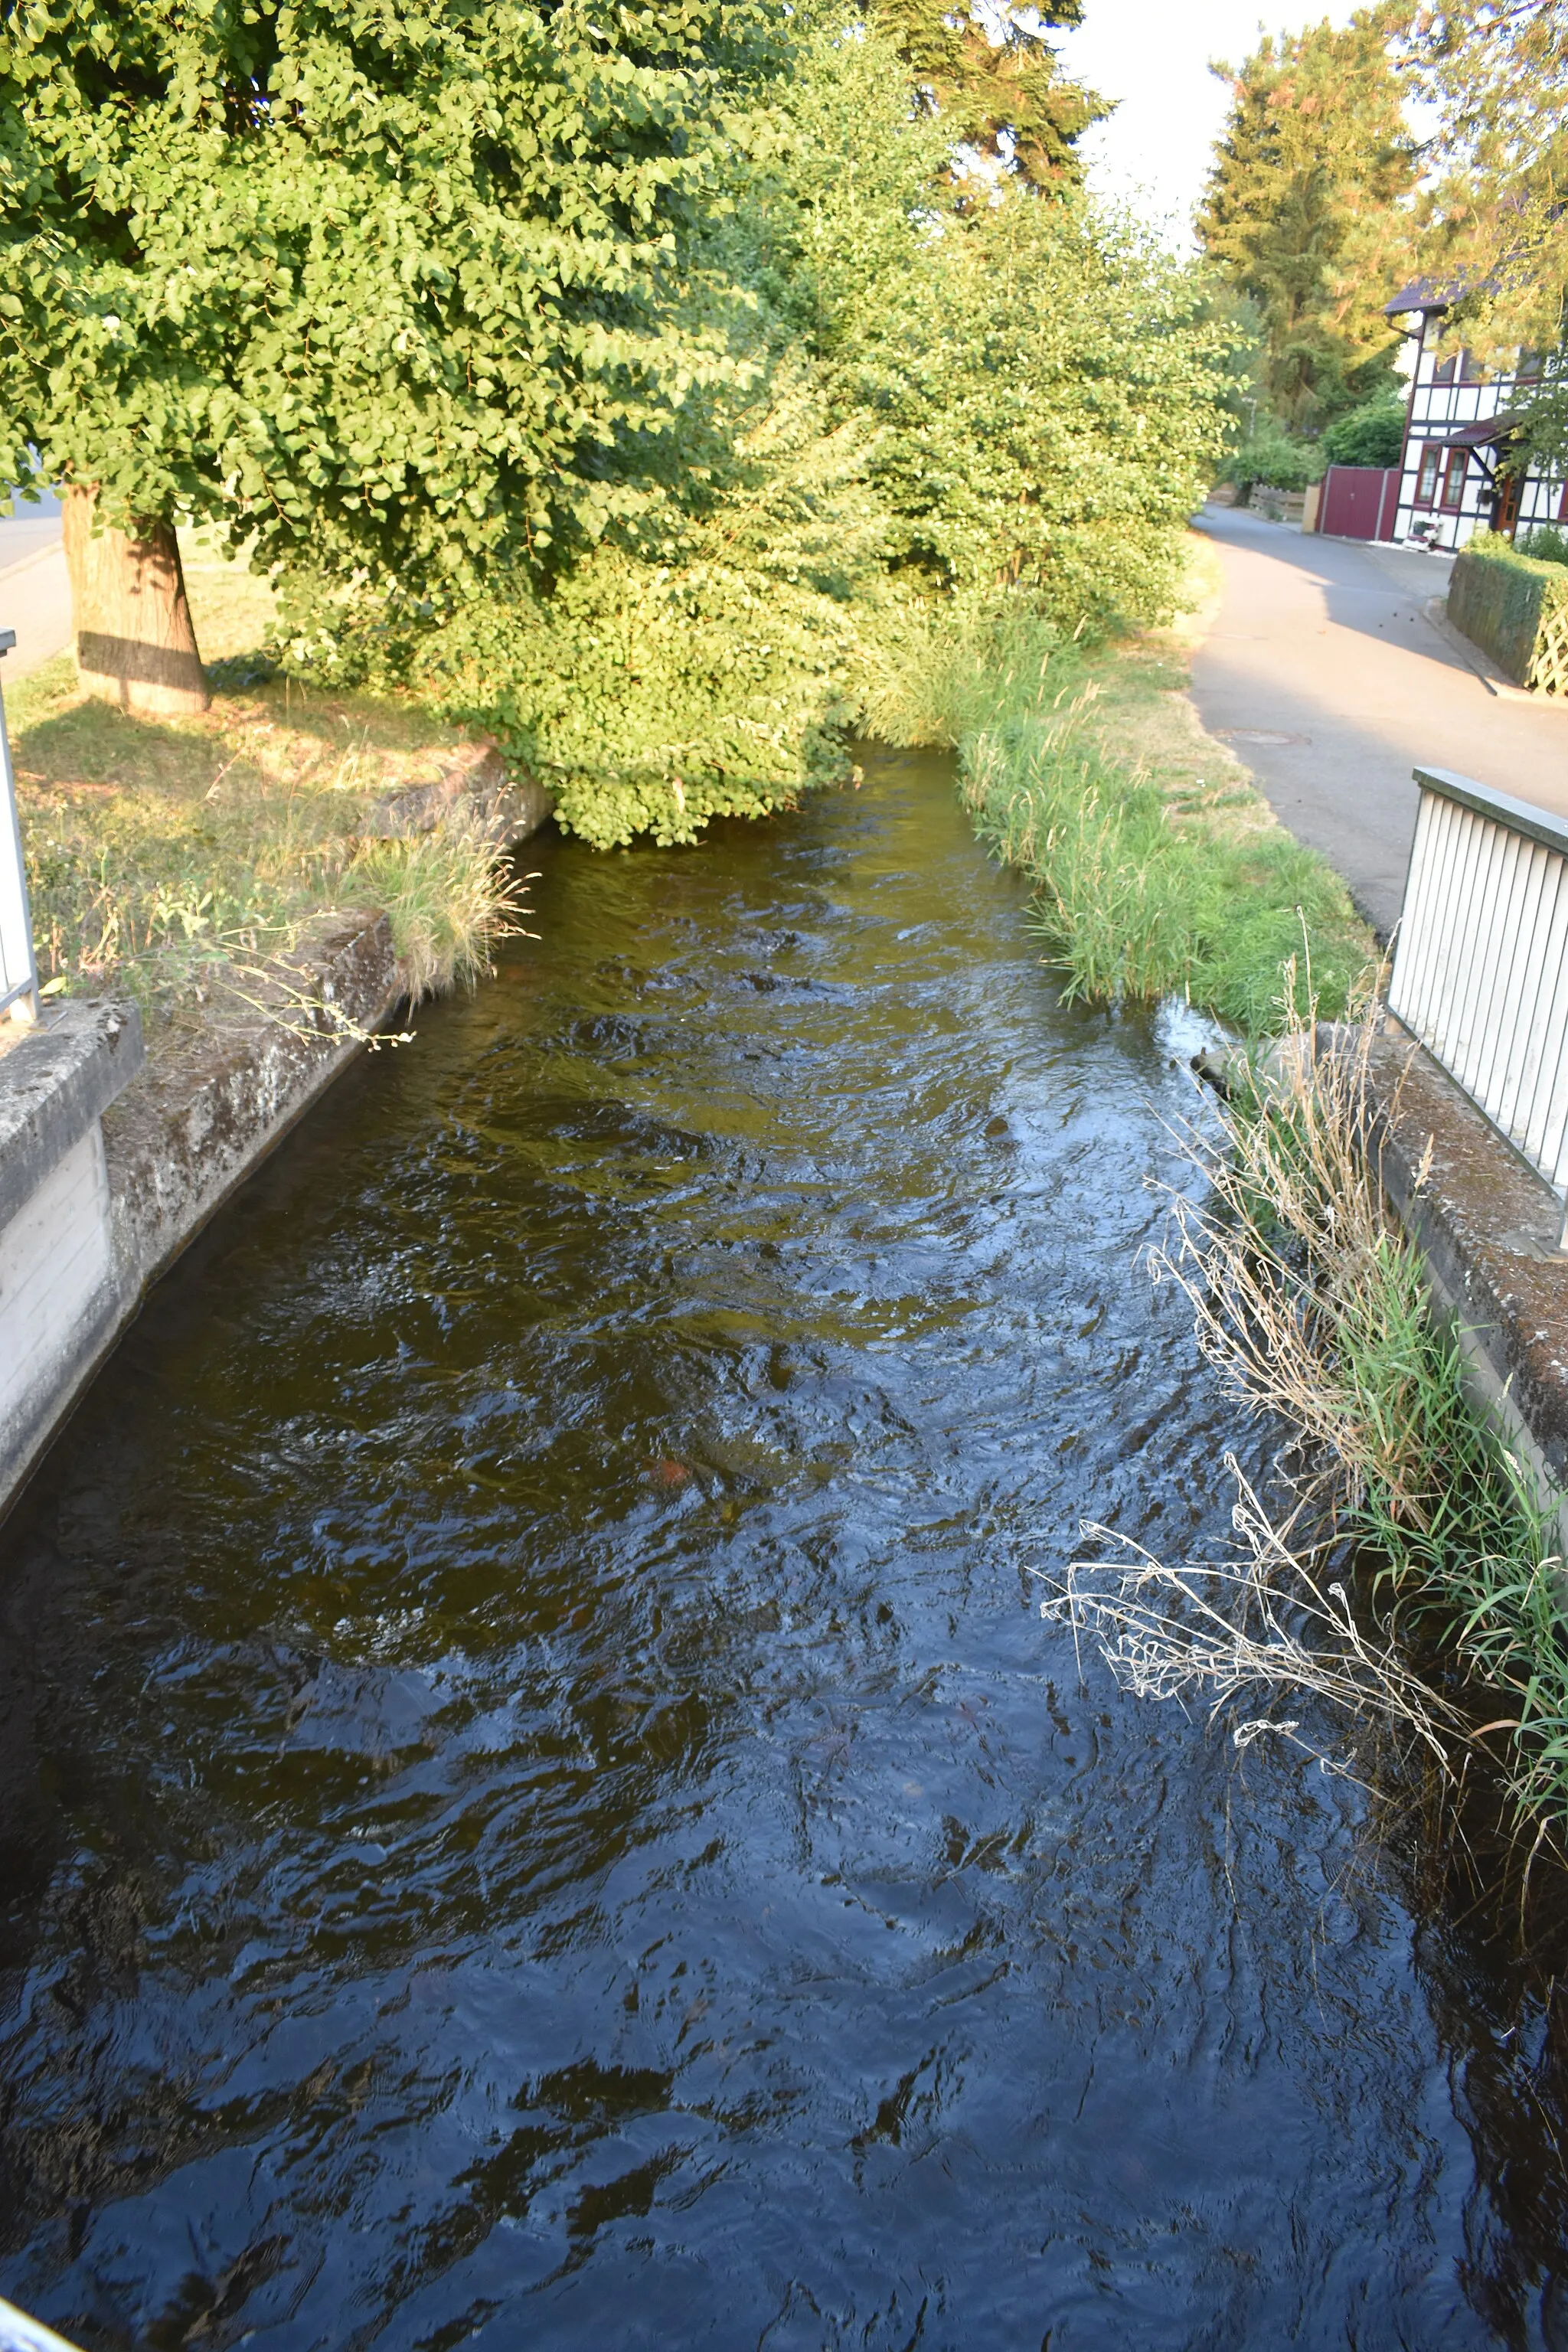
(1162, 870)
(159, 850)
(1315, 1308)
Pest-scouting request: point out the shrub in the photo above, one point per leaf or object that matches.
(1273, 457)
(1373, 435)
(1515, 607)
(1546, 543)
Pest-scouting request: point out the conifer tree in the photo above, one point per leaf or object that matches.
(994, 80)
(1305, 212)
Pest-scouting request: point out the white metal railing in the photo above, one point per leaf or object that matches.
(20, 2334)
(1480, 970)
(18, 971)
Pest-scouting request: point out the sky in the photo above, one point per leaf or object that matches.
(1153, 56)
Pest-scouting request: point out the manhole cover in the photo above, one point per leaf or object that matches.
(1258, 735)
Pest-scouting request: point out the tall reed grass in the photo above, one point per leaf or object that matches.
(1149, 885)
(449, 896)
(1315, 1308)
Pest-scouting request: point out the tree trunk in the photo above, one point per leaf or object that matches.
(134, 642)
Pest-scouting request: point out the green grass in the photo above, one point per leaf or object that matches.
(162, 852)
(1162, 870)
(1317, 1308)
(1470, 1551)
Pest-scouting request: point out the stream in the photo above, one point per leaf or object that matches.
(537, 1808)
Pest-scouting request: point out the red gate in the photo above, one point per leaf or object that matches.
(1359, 501)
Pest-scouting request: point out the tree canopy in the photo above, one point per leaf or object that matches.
(639, 383)
(1371, 435)
(1302, 212)
(1494, 215)
(994, 78)
(960, 412)
(399, 289)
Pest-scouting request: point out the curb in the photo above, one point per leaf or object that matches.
(30, 562)
(1435, 613)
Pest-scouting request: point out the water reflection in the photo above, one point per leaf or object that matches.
(537, 1805)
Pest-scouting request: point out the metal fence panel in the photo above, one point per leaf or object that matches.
(1480, 972)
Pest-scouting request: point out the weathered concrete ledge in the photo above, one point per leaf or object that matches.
(1488, 1228)
(471, 784)
(214, 1102)
(60, 1292)
(55, 1081)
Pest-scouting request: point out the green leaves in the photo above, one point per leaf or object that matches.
(380, 287)
(1047, 383)
(627, 380)
(1305, 212)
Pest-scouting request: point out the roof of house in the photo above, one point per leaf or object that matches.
(1421, 294)
(1482, 432)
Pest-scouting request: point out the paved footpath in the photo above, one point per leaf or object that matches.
(1324, 673)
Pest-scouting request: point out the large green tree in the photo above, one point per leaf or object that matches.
(1048, 391)
(1495, 214)
(962, 416)
(1305, 212)
(397, 292)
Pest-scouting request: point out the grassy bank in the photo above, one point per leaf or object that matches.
(1315, 1305)
(1417, 1580)
(162, 854)
(1162, 869)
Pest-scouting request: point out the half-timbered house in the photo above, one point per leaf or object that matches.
(1455, 478)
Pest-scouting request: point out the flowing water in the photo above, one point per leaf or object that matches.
(537, 1806)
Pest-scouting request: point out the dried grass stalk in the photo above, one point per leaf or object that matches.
(1251, 1629)
(1313, 1307)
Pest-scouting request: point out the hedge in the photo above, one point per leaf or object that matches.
(1515, 608)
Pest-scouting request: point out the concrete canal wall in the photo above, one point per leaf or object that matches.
(1487, 1229)
(61, 1292)
(109, 1162)
(112, 1160)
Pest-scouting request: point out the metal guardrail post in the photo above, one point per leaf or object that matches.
(19, 968)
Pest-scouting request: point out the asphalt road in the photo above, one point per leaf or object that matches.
(34, 594)
(1329, 680)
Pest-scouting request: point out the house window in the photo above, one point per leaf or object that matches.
(1459, 367)
(1426, 480)
(1454, 479)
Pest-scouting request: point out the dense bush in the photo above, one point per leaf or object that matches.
(1272, 457)
(1546, 544)
(1513, 604)
(927, 407)
(1371, 436)
(1045, 387)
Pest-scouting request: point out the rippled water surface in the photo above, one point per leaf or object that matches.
(538, 1808)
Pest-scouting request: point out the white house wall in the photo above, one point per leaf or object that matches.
(1436, 412)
